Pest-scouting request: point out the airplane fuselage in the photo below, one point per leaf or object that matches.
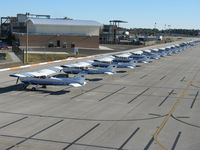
(51, 81)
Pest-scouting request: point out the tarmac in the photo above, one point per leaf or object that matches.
(152, 107)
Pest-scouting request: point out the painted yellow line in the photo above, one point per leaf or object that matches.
(172, 110)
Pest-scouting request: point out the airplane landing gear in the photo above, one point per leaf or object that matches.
(33, 88)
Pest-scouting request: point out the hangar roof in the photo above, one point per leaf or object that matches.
(64, 22)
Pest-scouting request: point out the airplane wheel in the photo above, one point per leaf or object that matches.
(33, 89)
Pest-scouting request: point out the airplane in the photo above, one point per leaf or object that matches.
(174, 49)
(168, 50)
(150, 55)
(76, 68)
(139, 57)
(44, 72)
(127, 57)
(159, 52)
(86, 68)
(76, 81)
(45, 77)
(110, 60)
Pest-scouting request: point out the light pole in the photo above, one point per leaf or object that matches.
(27, 41)
(169, 27)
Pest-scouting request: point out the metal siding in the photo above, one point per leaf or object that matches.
(63, 30)
(64, 22)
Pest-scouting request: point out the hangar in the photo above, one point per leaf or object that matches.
(46, 32)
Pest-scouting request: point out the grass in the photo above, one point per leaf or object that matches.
(37, 58)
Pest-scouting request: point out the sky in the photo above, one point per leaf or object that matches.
(138, 13)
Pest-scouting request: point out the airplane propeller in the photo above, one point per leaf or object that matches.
(17, 80)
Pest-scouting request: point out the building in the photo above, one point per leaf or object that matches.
(112, 33)
(44, 31)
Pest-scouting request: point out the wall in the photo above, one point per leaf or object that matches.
(43, 40)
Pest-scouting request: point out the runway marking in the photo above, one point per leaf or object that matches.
(13, 122)
(172, 110)
(149, 144)
(112, 94)
(183, 117)
(84, 119)
(176, 141)
(138, 95)
(194, 100)
(182, 79)
(90, 130)
(25, 66)
(163, 77)
(158, 115)
(144, 76)
(124, 75)
(186, 123)
(170, 93)
(128, 139)
(6, 69)
(44, 63)
(86, 92)
(53, 141)
(24, 140)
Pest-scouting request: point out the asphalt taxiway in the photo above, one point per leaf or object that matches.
(155, 106)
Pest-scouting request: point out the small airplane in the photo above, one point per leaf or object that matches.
(110, 60)
(159, 52)
(168, 50)
(76, 81)
(86, 68)
(125, 57)
(150, 55)
(45, 77)
(139, 57)
(41, 73)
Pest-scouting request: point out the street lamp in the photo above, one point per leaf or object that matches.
(27, 41)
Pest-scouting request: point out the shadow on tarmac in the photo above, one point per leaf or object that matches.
(20, 87)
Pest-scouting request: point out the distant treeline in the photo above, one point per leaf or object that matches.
(184, 32)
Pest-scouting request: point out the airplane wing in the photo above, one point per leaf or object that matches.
(50, 71)
(26, 74)
(79, 64)
(40, 73)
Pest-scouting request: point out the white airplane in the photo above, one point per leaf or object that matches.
(44, 77)
(123, 57)
(86, 68)
(110, 60)
(41, 73)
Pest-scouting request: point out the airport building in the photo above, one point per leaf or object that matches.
(44, 31)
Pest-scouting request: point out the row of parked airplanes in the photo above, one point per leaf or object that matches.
(106, 65)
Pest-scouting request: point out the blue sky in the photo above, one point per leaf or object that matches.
(138, 13)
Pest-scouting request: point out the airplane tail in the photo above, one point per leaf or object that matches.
(81, 78)
(133, 62)
(112, 68)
